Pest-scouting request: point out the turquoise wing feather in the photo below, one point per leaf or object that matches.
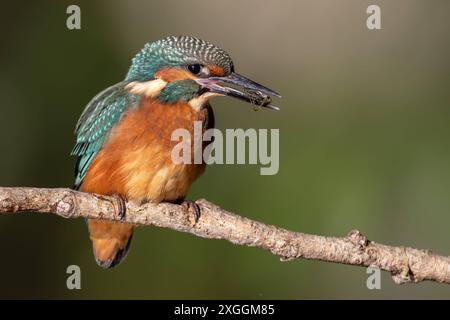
(101, 114)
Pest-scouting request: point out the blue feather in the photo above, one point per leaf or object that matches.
(99, 117)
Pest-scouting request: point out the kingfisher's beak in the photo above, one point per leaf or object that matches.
(246, 89)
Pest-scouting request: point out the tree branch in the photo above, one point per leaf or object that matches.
(404, 263)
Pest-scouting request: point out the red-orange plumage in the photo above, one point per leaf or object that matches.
(173, 74)
(136, 163)
(216, 70)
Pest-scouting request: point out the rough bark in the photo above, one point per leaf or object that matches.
(404, 263)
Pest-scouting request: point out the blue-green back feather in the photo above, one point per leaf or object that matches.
(101, 114)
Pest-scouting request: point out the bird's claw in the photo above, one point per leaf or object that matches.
(121, 205)
(193, 207)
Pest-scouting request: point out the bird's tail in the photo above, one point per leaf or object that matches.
(110, 241)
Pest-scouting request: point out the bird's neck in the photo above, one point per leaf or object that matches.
(170, 94)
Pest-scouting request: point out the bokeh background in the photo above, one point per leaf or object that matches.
(364, 131)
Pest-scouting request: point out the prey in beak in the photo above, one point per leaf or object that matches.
(244, 89)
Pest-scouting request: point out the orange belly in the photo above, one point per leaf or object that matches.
(136, 160)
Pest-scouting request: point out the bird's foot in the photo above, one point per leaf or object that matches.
(194, 208)
(121, 205)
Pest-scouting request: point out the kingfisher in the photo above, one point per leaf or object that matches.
(123, 137)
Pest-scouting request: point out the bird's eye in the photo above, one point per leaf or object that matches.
(195, 68)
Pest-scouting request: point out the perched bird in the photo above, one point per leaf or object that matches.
(124, 141)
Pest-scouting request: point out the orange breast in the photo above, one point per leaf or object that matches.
(136, 160)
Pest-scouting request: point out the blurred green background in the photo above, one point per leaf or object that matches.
(364, 131)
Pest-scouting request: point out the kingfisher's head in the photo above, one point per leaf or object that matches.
(188, 69)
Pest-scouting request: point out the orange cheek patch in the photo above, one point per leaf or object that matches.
(174, 74)
(216, 70)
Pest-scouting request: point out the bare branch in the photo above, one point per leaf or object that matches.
(404, 263)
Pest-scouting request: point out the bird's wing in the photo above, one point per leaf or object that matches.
(95, 124)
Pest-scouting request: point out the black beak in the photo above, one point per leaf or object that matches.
(246, 89)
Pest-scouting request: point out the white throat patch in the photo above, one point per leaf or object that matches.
(150, 88)
(201, 101)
